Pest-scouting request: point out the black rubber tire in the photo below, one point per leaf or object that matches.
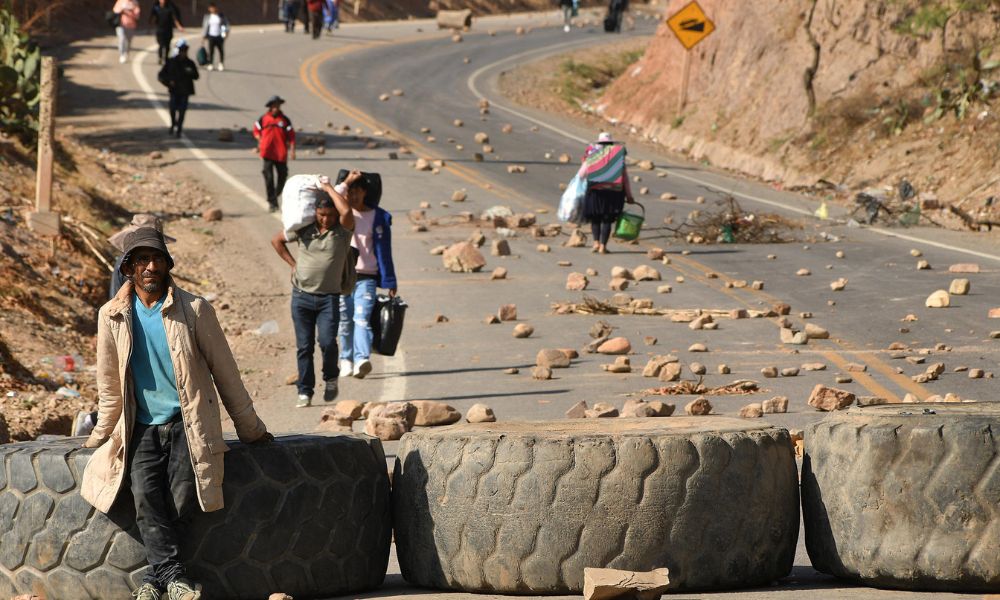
(893, 496)
(308, 515)
(523, 508)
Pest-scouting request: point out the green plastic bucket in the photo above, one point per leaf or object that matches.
(630, 224)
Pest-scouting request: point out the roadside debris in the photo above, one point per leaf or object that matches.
(613, 584)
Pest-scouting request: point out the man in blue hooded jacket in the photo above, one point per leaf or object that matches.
(373, 240)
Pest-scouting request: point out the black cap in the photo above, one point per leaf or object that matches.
(275, 100)
(145, 237)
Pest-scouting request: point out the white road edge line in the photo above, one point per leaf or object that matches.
(471, 84)
(394, 382)
(153, 99)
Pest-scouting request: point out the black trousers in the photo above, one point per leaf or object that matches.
(216, 41)
(163, 41)
(274, 187)
(164, 489)
(316, 22)
(178, 108)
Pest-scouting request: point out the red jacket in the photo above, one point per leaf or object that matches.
(314, 5)
(274, 134)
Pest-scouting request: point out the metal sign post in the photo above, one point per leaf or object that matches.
(43, 220)
(691, 26)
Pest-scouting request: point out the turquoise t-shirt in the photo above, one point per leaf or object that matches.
(152, 371)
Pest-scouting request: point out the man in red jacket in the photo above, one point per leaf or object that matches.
(276, 143)
(315, 8)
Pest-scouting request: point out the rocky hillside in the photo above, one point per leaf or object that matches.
(843, 94)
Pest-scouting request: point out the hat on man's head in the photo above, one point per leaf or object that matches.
(604, 138)
(138, 220)
(145, 237)
(181, 44)
(274, 100)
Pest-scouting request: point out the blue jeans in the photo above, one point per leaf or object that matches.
(356, 333)
(312, 312)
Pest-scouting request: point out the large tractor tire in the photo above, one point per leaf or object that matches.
(308, 515)
(906, 496)
(523, 508)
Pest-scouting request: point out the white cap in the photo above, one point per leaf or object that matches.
(604, 136)
(181, 43)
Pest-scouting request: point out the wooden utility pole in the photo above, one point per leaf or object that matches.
(43, 220)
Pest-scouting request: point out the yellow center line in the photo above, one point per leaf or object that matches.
(863, 378)
(309, 74)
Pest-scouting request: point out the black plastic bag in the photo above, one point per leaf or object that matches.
(387, 324)
(374, 194)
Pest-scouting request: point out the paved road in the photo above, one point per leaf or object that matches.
(336, 82)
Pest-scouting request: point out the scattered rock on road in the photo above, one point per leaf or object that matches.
(959, 287)
(614, 584)
(698, 406)
(463, 257)
(500, 248)
(552, 358)
(752, 411)
(964, 268)
(577, 411)
(507, 312)
(621, 365)
(523, 330)
(777, 404)
(618, 345)
(828, 399)
(839, 284)
(431, 413)
(939, 299)
(498, 273)
(577, 282)
(602, 410)
(480, 413)
(541, 373)
(645, 273)
(212, 214)
(815, 332)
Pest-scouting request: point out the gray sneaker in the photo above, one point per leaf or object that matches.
(147, 591)
(182, 590)
(331, 391)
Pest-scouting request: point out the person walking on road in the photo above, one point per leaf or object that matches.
(163, 368)
(315, 8)
(118, 240)
(569, 8)
(214, 29)
(165, 16)
(607, 188)
(290, 13)
(322, 272)
(128, 20)
(276, 144)
(179, 74)
(373, 240)
(331, 15)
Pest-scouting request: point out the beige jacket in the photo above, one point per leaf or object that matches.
(202, 363)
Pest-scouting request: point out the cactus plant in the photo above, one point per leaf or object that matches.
(20, 80)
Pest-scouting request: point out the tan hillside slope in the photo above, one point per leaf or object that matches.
(848, 91)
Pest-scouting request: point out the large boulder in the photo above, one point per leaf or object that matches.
(463, 257)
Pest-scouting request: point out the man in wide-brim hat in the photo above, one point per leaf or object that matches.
(118, 241)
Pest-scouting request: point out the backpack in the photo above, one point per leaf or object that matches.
(605, 167)
(113, 19)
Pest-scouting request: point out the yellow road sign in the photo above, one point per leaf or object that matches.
(690, 25)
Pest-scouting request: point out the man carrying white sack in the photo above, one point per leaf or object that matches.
(323, 269)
